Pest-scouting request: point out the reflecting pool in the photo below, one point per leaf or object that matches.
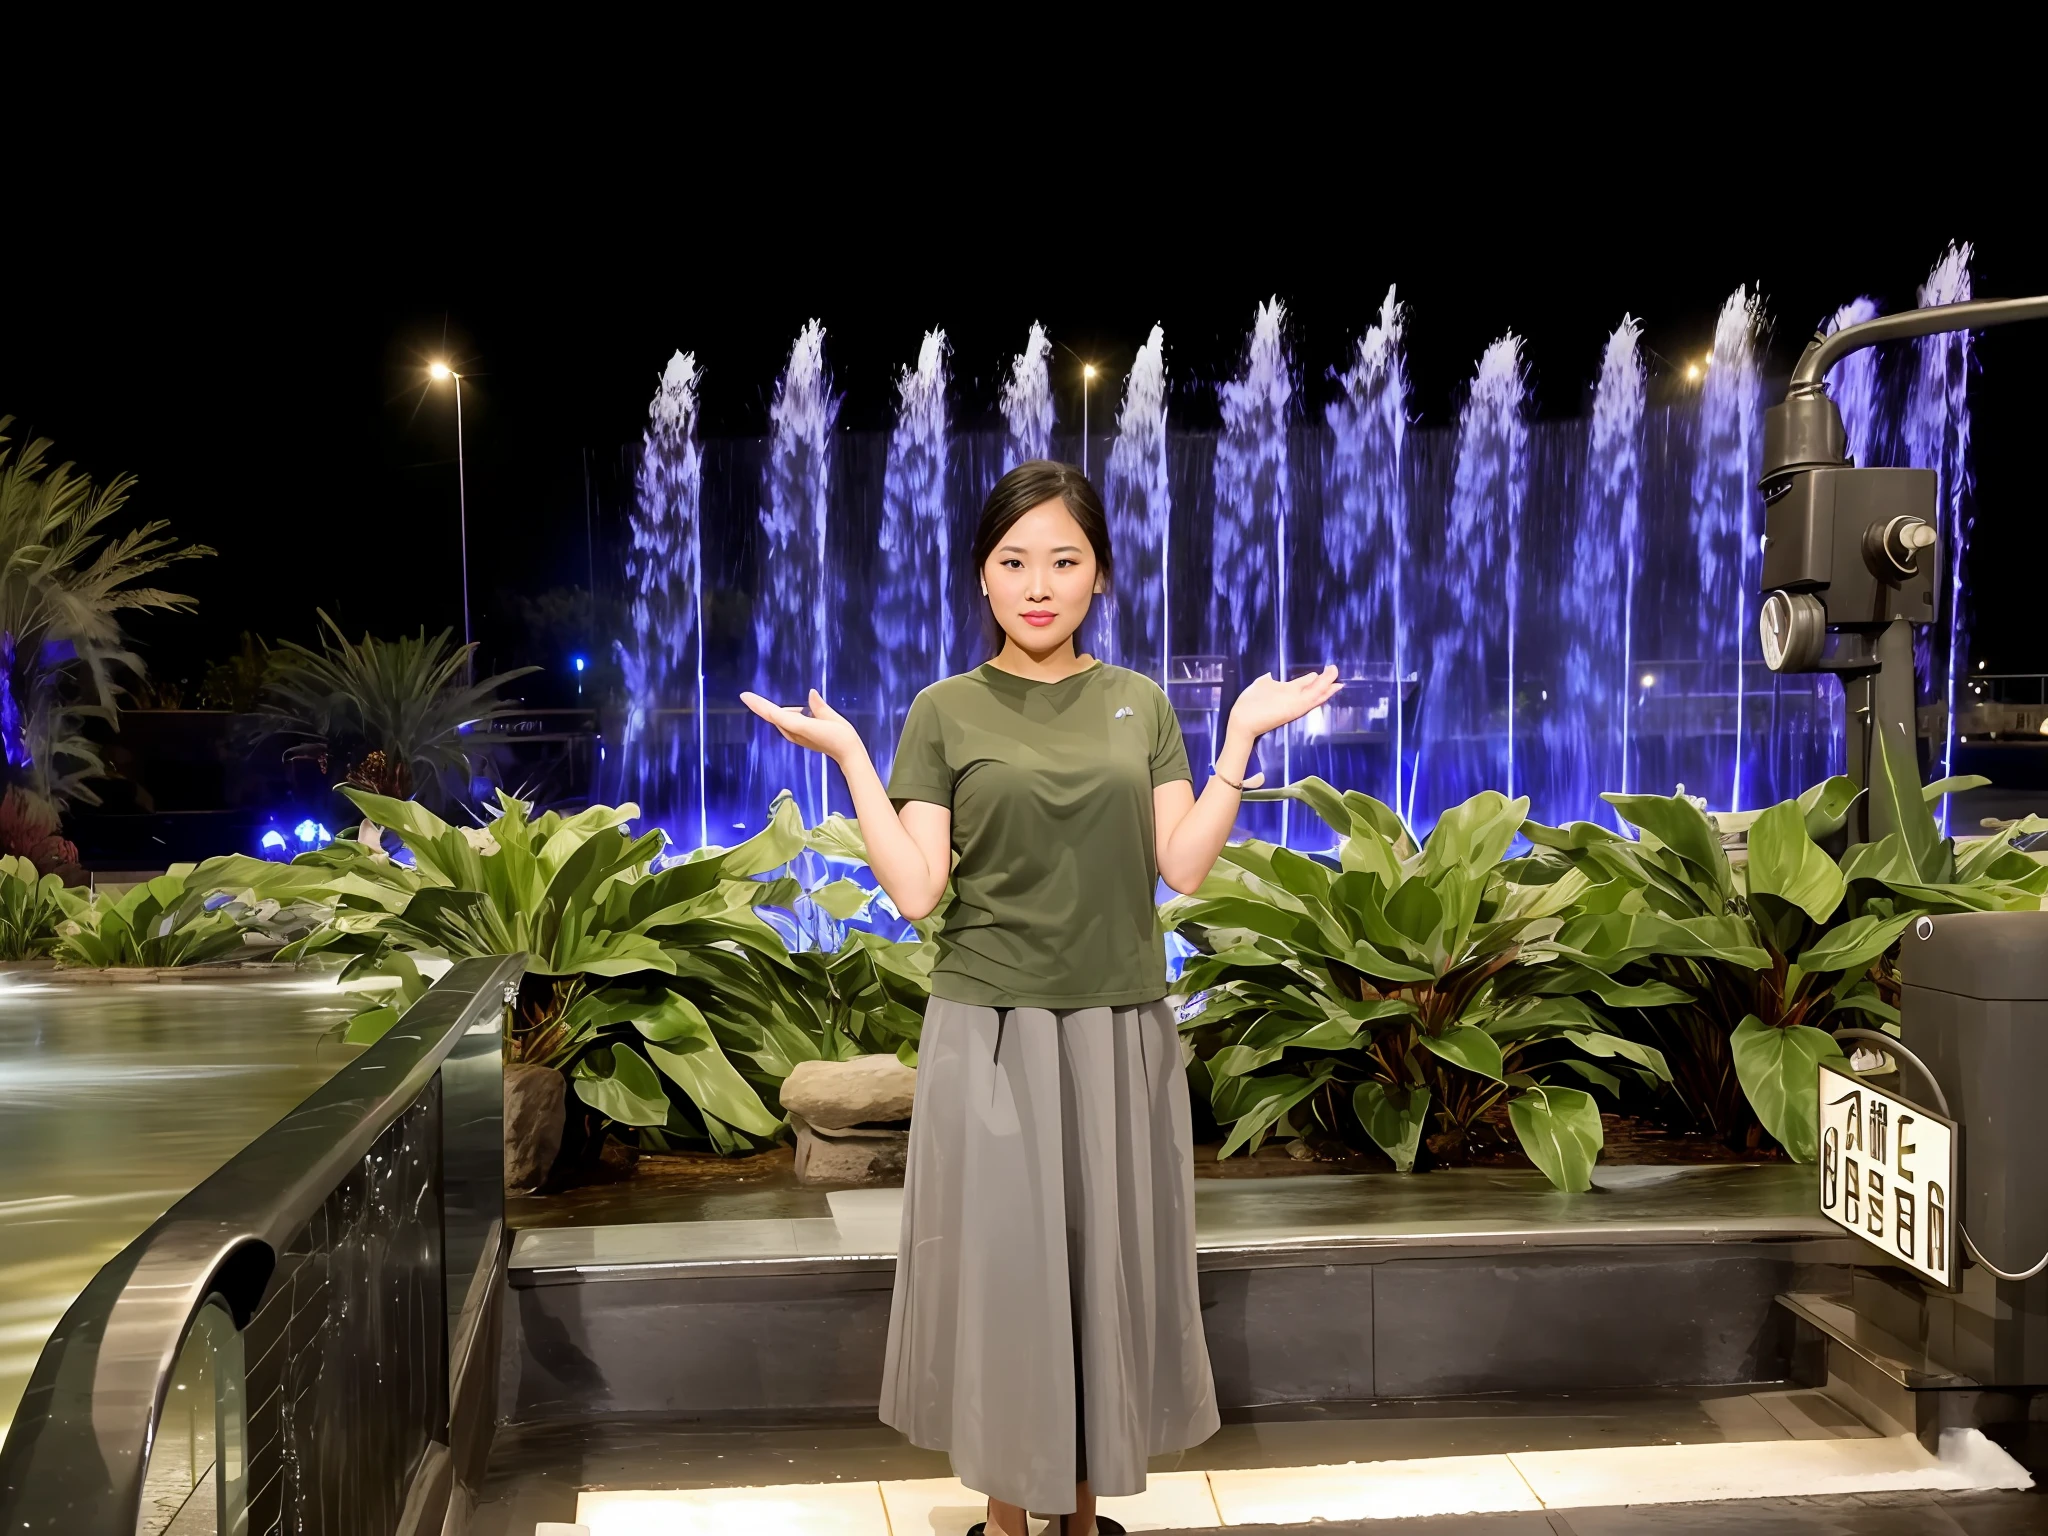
(114, 1102)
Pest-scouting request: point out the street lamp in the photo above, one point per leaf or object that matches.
(441, 373)
(1087, 377)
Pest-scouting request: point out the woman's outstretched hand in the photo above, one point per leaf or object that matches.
(822, 729)
(1266, 705)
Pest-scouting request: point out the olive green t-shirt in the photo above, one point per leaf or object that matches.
(1050, 786)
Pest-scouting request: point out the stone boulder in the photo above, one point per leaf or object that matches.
(839, 1095)
(854, 1156)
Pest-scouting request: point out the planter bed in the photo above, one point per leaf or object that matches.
(125, 975)
(697, 1186)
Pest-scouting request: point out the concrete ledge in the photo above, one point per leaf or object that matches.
(1311, 1220)
(1315, 1290)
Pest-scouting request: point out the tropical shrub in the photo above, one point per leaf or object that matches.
(31, 908)
(391, 716)
(840, 991)
(193, 914)
(1739, 974)
(672, 1005)
(65, 581)
(1385, 993)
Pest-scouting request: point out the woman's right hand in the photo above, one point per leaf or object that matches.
(823, 729)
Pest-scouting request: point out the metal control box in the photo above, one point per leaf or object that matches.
(1814, 533)
(1975, 1009)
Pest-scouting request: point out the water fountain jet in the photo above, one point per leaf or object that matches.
(665, 573)
(1140, 503)
(793, 641)
(914, 629)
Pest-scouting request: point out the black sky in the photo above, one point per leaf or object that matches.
(256, 356)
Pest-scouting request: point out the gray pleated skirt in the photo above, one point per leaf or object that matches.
(1046, 1325)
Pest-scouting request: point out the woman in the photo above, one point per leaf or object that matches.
(1046, 1329)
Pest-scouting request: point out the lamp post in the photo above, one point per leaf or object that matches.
(440, 372)
(1087, 377)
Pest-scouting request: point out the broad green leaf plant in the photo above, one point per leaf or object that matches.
(223, 910)
(32, 907)
(673, 1005)
(603, 932)
(1740, 972)
(1386, 991)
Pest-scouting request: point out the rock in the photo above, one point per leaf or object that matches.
(836, 1095)
(534, 1098)
(855, 1156)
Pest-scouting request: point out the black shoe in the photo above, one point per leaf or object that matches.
(1104, 1526)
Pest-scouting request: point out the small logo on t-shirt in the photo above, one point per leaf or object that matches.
(1126, 710)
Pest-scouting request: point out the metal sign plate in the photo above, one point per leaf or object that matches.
(1888, 1173)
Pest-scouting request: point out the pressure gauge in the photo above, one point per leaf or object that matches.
(1794, 629)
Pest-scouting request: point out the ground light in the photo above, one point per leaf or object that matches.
(302, 838)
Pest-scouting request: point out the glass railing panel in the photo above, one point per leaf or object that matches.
(196, 1483)
(473, 1167)
(347, 1362)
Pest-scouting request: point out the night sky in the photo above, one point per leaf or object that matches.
(262, 369)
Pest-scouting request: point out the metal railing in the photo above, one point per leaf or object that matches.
(323, 1286)
(1993, 706)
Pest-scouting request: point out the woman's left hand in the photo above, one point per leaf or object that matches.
(1266, 705)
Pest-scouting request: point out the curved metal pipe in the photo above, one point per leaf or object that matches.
(1891, 1046)
(1823, 352)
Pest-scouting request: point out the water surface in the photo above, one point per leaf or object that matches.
(114, 1102)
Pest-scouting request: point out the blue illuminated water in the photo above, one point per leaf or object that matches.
(1249, 548)
(913, 610)
(663, 661)
(1726, 523)
(1935, 433)
(1553, 607)
(1586, 729)
(1027, 402)
(1365, 548)
(1854, 385)
(794, 596)
(1138, 491)
(1466, 721)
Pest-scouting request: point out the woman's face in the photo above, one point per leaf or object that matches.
(1041, 577)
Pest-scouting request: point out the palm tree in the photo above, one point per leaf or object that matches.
(65, 580)
(391, 715)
